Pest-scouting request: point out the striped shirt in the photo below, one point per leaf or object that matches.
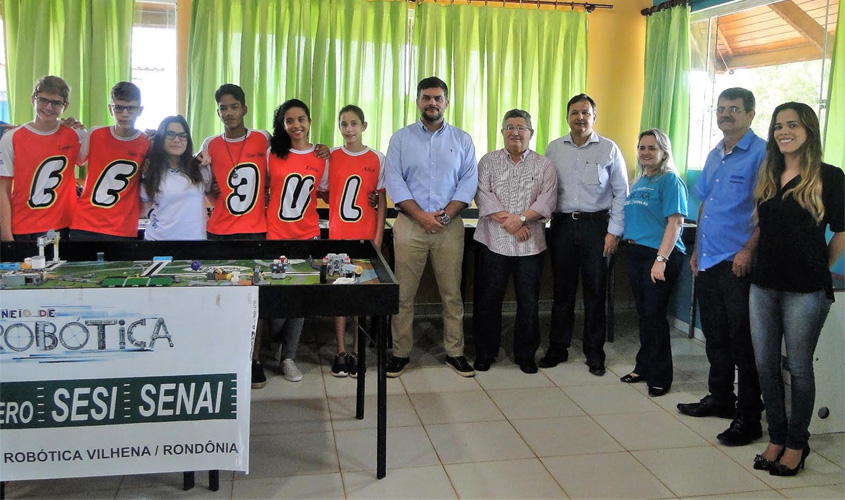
(512, 187)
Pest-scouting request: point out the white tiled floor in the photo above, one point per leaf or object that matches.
(561, 433)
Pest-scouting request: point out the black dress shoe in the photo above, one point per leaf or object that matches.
(656, 392)
(551, 359)
(527, 365)
(707, 407)
(631, 378)
(483, 364)
(597, 370)
(743, 430)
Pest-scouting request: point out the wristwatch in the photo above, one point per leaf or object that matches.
(661, 258)
(445, 219)
(522, 218)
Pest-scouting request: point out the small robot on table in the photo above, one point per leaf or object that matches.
(340, 265)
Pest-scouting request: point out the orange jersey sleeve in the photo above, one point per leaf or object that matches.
(352, 177)
(240, 169)
(292, 211)
(43, 184)
(111, 200)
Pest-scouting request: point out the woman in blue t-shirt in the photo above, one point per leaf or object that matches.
(654, 216)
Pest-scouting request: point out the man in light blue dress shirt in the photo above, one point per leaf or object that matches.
(431, 175)
(585, 230)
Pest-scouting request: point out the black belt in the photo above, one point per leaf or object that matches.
(603, 214)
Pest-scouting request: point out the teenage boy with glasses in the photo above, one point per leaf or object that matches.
(110, 204)
(37, 185)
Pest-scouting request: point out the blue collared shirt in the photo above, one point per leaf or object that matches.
(431, 168)
(726, 189)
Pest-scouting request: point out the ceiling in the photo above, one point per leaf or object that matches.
(777, 33)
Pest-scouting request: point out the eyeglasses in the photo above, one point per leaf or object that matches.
(117, 109)
(518, 128)
(732, 110)
(55, 104)
(173, 136)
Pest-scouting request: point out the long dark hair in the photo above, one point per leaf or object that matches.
(808, 192)
(280, 142)
(157, 165)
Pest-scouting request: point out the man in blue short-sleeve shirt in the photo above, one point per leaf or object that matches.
(722, 265)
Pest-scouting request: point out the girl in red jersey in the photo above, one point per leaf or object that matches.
(356, 172)
(294, 175)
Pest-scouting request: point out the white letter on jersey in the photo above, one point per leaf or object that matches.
(349, 211)
(47, 178)
(113, 180)
(296, 195)
(243, 179)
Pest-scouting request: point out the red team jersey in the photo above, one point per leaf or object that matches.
(111, 202)
(43, 185)
(352, 177)
(240, 169)
(292, 211)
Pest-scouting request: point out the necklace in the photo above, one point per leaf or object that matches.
(242, 140)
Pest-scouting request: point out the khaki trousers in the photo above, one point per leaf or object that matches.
(412, 247)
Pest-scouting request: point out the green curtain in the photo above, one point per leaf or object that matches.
(331, 53)
(360, 58)
(265, 46)
(86, 42)
(834, 152)
(495, 59)
(667, 68)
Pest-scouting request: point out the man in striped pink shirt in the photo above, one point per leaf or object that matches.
(517, 193)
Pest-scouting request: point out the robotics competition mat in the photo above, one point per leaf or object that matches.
(162, 272)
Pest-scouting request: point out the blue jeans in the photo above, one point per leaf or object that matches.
(495, 271)
(797, 319)
(654, 359)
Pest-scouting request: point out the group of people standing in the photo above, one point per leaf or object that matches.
(761, 259)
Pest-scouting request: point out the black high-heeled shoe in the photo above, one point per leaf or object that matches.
(778, 469)
(761, 463)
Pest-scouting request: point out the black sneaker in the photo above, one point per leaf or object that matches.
(340, 368)
(352, 364)
(460, 365)
(396, 366)
(259, 380)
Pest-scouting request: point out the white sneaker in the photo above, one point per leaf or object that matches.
(290, 370)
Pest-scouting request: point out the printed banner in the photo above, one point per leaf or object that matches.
(97, 382)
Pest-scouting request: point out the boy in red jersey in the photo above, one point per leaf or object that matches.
(356, 171)
(110, 203)
(37, 187)
(238, 159)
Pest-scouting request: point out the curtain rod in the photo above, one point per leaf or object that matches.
(665, 5)
(587, 6)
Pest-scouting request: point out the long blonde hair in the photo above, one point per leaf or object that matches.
(808, 192)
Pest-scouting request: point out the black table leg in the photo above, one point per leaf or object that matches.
(610, 306)
(362, 369)
(692, 310)
(188, 480)
(214, 480)
(381, 447)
